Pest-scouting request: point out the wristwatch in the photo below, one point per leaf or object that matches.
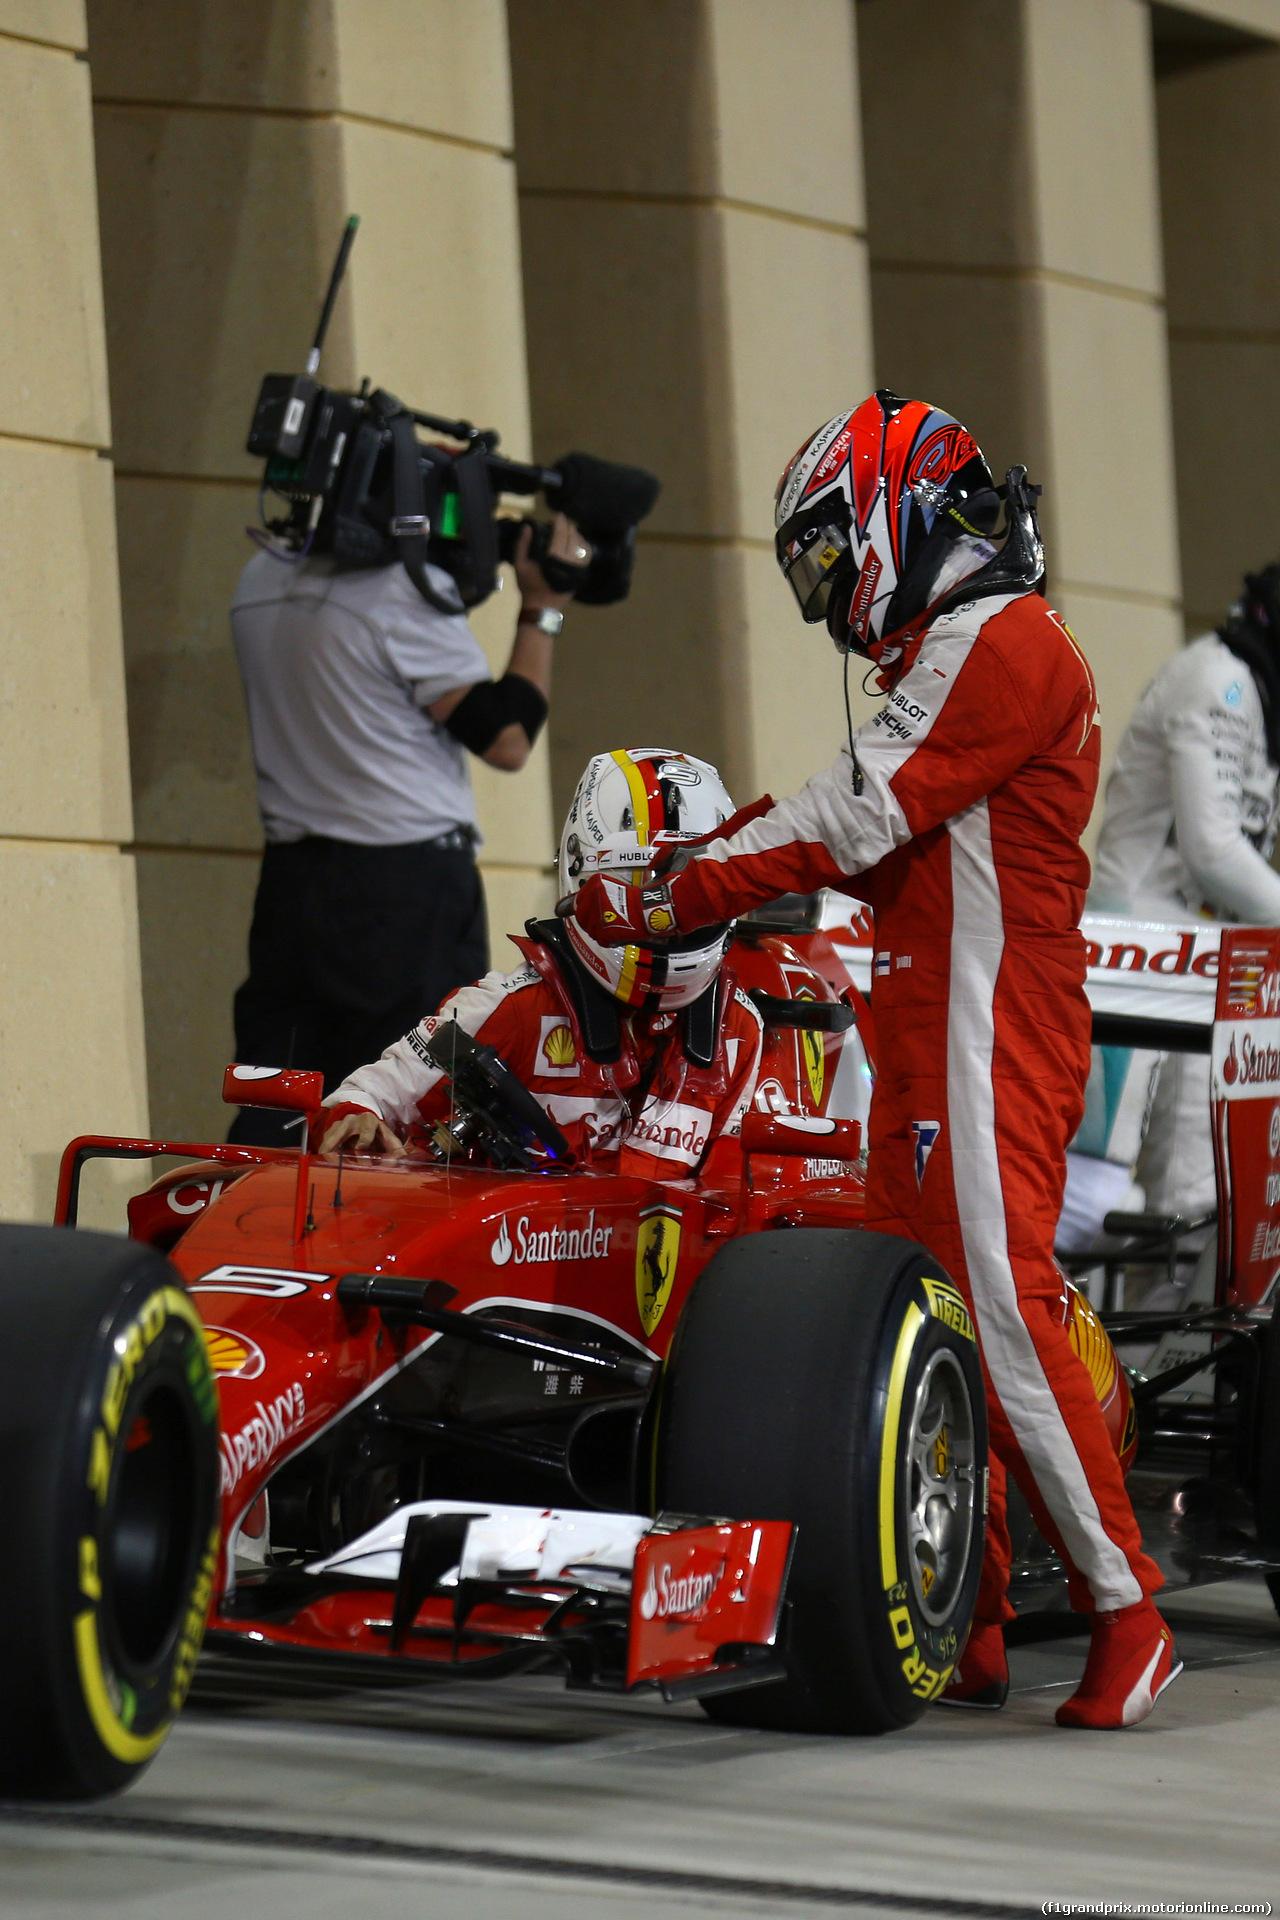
(548, 620)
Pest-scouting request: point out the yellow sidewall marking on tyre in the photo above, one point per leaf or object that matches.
(912, 1321)
(128, 1747)
(947, 1304)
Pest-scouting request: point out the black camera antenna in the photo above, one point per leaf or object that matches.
(335, 281)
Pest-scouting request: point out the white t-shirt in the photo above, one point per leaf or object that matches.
(338, 667)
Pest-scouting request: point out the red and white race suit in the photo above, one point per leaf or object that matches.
(663, 1132)
(979, 776)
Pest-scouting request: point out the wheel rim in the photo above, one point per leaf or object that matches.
(152, 1540)
(941, 1486)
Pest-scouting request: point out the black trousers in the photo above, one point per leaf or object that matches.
(350, 946)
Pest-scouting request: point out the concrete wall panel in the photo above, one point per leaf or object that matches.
(623, 302)
(796, 707)
(1226, 405)
(661, 668)
(442, 67)
(1091, 120)
(235, 53)
(1220, 170)
(512, 896)
(49, 264)
(58, 23)
(1030, 303)
(436, 301)
(71, 1049)
(968, 342)
(1126, 643)
(218, 231)
(965, 66)
(618, 106)
(193, 911)
(234, 139)
(797, 346)
(785, 118)
(1109, 508)
(695, 300)
(1219, 164)
(182, 546)
(62, 712)
(71, 1053)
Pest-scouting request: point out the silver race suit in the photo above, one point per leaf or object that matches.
(1189, 825)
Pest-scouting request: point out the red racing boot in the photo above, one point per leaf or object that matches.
(981, 1676)
(1132, 1659)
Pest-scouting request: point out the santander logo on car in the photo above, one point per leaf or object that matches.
(672, 1596)
(534, 1245)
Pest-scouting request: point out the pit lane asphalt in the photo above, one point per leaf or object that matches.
(284, 1794)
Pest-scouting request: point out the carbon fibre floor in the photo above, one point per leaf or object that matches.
(288, 1794)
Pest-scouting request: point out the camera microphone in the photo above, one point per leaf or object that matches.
(601, 498)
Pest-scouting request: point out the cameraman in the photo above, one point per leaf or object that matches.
(364, 701)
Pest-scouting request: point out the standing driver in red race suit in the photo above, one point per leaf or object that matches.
(959, 807)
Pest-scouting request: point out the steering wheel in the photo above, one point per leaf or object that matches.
(502, 1116)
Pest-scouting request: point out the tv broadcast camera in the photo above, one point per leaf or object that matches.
(359, 484)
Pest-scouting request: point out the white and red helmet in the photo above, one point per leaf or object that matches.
(630, 806)
(867, 509)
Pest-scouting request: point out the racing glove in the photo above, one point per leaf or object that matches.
(617, 915)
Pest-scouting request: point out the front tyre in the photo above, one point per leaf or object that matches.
(108, 1508)
(831, 1378)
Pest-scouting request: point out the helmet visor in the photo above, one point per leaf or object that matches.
(810, 547)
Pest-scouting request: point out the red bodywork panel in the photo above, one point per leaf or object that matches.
(263, 1236)
(697, 1590)
(1246, 1115)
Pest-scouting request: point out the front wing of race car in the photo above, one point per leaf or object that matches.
(616, 1600)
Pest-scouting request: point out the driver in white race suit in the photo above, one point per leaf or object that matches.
(643, 1059)
(1189, 825)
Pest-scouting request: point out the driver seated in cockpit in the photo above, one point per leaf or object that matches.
(643, 1057)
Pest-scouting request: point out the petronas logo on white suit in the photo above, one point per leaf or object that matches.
(924, 1133)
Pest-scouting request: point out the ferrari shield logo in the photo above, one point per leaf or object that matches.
(657, 1251)
(813, 1054)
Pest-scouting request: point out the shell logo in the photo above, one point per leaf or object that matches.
(559, 1048)
(233, 1355)
(1093, 1345)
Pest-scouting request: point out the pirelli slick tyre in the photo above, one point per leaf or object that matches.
(108, 1508)
(831, 1378)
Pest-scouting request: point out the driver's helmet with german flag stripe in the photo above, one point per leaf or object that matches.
(632, 805)
(867, 509)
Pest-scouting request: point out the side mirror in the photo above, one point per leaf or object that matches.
(292, 1088)
(806, 1135)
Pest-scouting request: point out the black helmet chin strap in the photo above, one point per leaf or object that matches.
(1019, 565)
(1253, 635)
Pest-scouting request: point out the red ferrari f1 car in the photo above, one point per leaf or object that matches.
(488, 1410)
